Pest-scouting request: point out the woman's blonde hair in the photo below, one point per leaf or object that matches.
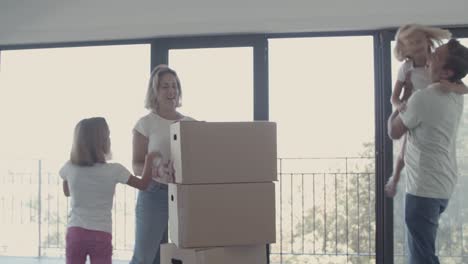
(153, 86)
(434, 36)
(91, 142)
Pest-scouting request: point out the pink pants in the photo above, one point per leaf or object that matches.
(82, 242)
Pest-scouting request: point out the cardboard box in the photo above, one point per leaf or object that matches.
(256, 254)
(214, 215)
(224, 152)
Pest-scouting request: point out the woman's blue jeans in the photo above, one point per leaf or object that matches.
(151, 224)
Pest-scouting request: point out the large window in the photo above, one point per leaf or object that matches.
(43, 94)
(217, 83)
(322, 98)
(321, 95)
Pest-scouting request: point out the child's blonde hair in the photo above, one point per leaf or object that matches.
(91, 142)
(434, 36)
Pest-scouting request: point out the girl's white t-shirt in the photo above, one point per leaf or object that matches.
(420, 77)
(92, 191)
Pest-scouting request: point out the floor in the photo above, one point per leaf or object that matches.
(43, 260)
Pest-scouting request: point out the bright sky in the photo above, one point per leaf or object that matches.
(321, 94)
(45, 92)
(314, 102)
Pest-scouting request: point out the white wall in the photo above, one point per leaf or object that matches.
(46, 21)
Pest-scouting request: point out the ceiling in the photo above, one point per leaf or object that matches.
(57, 21)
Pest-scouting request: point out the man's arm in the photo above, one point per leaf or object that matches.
(395, 126)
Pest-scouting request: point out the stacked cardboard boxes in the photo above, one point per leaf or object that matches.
(222, 205)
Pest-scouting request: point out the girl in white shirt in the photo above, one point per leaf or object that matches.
(90, 181)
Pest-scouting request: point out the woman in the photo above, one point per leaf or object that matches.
(152, 134)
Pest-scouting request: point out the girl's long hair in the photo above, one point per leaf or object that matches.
(91, 142)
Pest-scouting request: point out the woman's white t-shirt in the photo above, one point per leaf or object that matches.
(92, 191)
(157, 130)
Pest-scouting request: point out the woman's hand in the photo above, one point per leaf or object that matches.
(153, 156)
(164, 172)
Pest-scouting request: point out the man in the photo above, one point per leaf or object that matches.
(431, 119)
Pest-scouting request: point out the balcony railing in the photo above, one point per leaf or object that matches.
(325, 210)
(325, 213)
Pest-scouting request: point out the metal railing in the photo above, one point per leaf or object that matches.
(325, 211)
(32, 204)
(309, 192)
